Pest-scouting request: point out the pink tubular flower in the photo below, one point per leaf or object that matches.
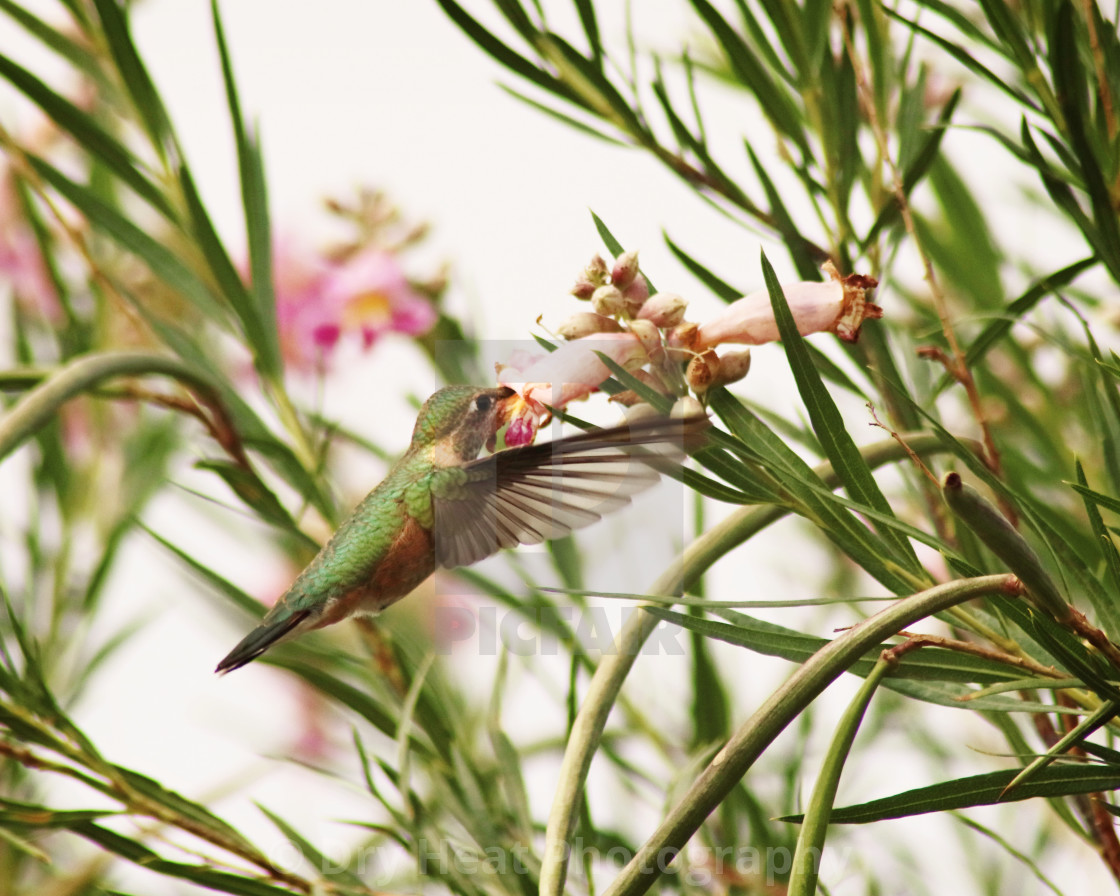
(372, 296)
(571, 372)
(319, 302)
(838, 306)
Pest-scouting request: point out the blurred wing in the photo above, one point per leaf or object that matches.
(530, 494)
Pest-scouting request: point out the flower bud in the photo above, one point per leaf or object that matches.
(585, 323)
(591, 278)
(607, 300)
(702, 371)
(649, 336)
(733, 366)
(596, 270)
(686, 407)
(636, 294)
(681, 340)
(582, 289)
(638, 411)
(625, 269)
(664, 309)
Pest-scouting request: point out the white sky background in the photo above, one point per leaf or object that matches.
(391, 94)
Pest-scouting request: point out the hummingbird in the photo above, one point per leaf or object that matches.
(441, 505)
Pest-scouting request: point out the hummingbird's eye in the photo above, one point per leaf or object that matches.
(483, 403)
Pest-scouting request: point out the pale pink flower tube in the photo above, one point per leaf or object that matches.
(838, 306)
(571, 372)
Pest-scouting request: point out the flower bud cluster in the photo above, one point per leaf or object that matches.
(617, 290)
(649, 336)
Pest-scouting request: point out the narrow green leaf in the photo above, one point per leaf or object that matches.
(1072, 738)
(1010, 29)
(163, 263)
(236, 596)
(360, 701)
(965, 53)
(788, 21)
(1065, 559)
(1058, 189)
(1066, 649)
(567, 120)
(829, 426)
(249, 487)
(713, 178)
(1071, 91)
(759, 37)
(501, 53)
(134, 76)
(978, 790)
(57, 40)
(776, 103)
(962, 22)
(263, 344)
(770, 639)
(877, 32)
(840, 121)
(1024, 304)
(589, 85)
(1104, 408)
(711, 710)
(927, 150)
(87, 133)
(803, 253)
(962, 244)
(27, 815)
(254, 201)
(721, 288)
(23, 845)
(1108, 612)
(1020, 856)
(203, 875)
(586, 9)
(513, 780)
(328, 867)
(746, 488)
(185, 808)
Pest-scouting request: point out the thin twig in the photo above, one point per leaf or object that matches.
(956, 363)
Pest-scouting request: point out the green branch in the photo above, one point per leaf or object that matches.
(38, 406)
(680, 576)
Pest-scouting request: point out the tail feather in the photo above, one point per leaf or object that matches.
(259, 640)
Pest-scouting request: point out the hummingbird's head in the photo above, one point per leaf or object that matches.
(458, 420)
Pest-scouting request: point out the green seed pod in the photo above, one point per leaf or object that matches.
(1003, 540)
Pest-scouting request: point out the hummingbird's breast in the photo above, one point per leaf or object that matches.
(409, 560)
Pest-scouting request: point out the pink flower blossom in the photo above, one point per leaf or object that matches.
(320, 302)
(839, 306)
(571, 372)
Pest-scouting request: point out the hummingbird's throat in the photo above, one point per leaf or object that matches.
(444, 453)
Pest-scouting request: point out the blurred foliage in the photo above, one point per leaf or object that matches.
(136, 338)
